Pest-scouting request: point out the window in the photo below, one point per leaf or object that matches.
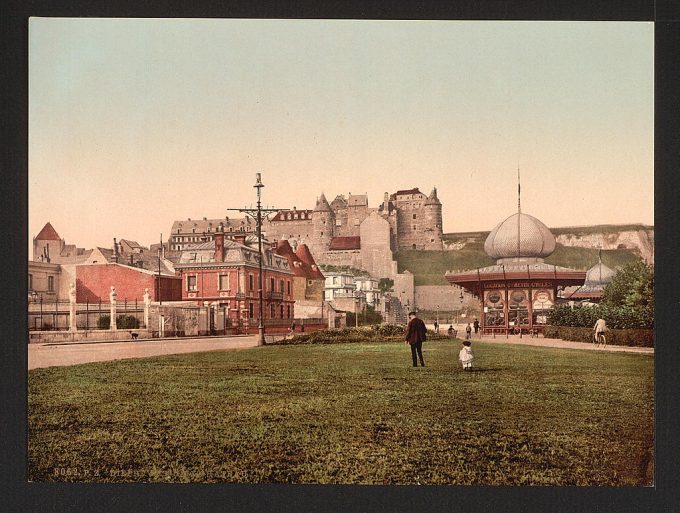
(282, 291)
(271, 285)
(338, 222)
(250, 282)
(50, 284)
(272, 313)
(288, 288)
(30, 282)
(309, 282)
(414, 216)
(414, 227)
(191, 283)
(282, 311)
(288, 310)
(223, 282)
(250, 310)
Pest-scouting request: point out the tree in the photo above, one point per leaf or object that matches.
(632, 286)
(385, 285)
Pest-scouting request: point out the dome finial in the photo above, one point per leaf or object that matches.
(519, 212)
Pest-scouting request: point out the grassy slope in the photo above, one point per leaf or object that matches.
(429, 267)
(348, 413)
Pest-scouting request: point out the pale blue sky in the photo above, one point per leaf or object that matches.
(134, 123)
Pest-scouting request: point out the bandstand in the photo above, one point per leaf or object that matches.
(516, 293)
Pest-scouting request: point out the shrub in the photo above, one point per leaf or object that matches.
(394, 332)
(621, 317)
(124, 322)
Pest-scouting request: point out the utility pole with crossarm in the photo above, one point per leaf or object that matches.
(258, 214)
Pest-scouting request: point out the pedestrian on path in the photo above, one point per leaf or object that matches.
(476, 325)
(415, 336)
(468, 331)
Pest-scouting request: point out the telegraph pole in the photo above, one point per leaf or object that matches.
(259, 214)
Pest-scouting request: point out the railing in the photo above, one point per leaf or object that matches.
(274, 296)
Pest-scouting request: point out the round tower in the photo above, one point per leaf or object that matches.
(322, 221)
(433, 215)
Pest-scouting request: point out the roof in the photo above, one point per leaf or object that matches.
(340, 243)
(131, 243)
(322, 204)
(301, 262)
(282, 215)
(202, 225)
(518, 271)
(339, 202)
(519, 235)
(310, 266)
(404, 192)
(48, 233)
(432, 198)
(360, 200)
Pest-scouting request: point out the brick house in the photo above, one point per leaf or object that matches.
(224, 273)
(93, 282)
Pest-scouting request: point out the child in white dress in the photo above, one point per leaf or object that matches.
(465, 356)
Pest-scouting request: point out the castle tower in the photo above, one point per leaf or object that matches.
(322, 220)
(433, 221)
(47, 245)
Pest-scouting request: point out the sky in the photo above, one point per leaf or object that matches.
(135, 123)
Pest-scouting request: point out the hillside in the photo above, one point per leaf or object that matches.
(429, 267)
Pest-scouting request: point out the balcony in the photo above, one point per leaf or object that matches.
(274, 296)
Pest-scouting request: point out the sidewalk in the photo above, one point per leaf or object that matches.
(555, 342)
(73, 353)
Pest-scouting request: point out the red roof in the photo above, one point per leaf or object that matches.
(338, 243)
(48, 233)
(311, 268)
(296, 265)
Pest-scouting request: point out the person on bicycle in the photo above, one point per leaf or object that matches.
(600, 328)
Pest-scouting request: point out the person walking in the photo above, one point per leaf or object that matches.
(468, 331)
(436, 327)
(415, 336)
(476, 325)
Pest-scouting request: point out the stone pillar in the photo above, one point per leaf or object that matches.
(112, 301)
(147, 303)
(72, 307)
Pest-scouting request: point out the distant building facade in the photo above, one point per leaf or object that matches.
(195, 231)
(308, 281)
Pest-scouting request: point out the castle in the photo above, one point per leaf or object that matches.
(349, 232)
(345, 232)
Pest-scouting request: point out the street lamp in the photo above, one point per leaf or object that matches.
(461, 306)
(437, 319)
(257, 214)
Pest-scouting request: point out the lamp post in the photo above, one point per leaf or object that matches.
(258, 214)
(356, 309)
(461, 306)
(437, 319)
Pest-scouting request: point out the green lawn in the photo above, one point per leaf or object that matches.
(348, 413)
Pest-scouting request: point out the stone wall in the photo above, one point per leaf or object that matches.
(641, 242)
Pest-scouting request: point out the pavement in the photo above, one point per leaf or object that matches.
(73, 353)
(543, 342)
(62, 354)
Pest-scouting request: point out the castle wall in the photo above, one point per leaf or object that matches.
(376, 256)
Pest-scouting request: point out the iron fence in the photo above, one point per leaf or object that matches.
(55, 315)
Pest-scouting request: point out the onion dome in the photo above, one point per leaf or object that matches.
(322, 204)
(432, 198)
(520, 236)
(598, 275)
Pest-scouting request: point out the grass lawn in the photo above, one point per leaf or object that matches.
(348, 413)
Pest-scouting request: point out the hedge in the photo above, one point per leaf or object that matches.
(393, 332)
(621, 317)
(638, 337)
(123, 322)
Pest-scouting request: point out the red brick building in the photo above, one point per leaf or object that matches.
(224, 273)
(94, 281)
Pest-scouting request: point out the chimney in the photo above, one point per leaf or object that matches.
(115, 250)
(219, 246)
(240, 238)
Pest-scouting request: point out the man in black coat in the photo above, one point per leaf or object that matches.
(415, 336)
